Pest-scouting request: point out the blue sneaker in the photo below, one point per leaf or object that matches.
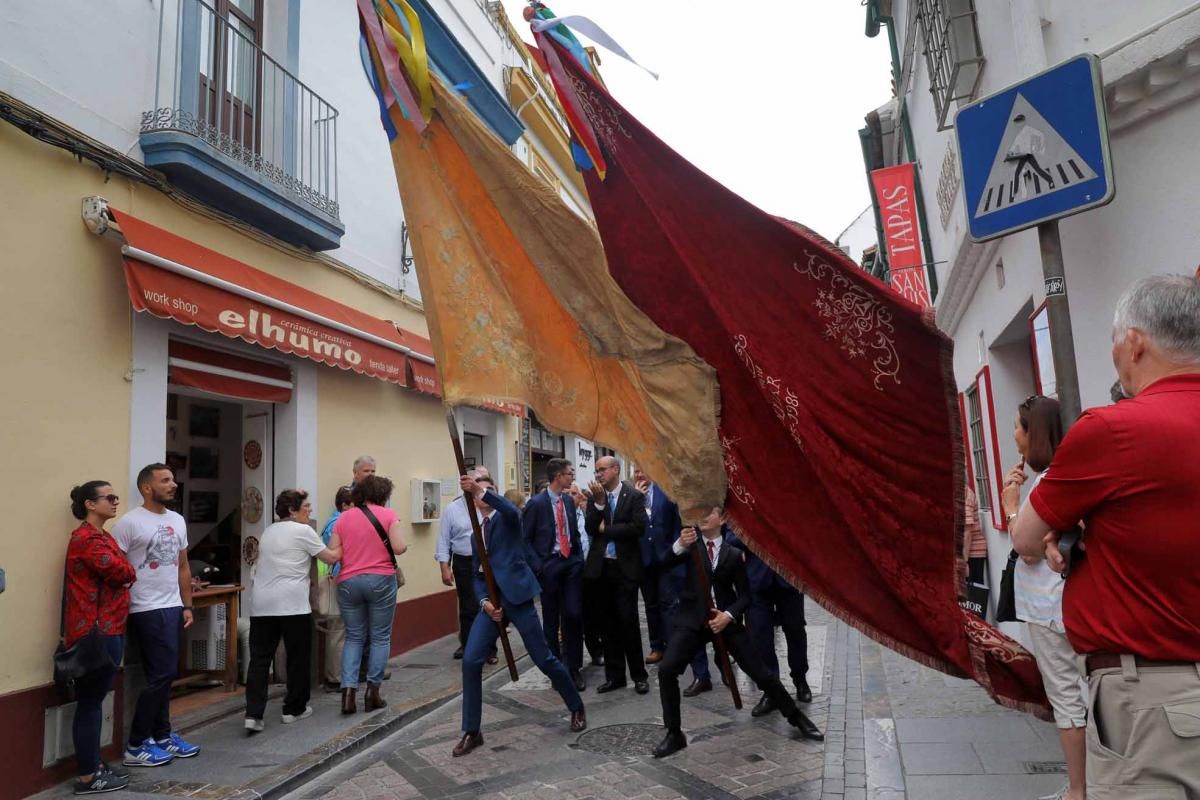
(147, 754)
(177, 747)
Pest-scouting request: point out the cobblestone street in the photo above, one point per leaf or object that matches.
(893, 730)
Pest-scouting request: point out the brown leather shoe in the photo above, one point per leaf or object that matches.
(467, 743)
(578, 721)
(654, 657)
(373, 699)
(349, 705)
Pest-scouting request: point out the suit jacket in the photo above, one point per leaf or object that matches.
(662, 528)
(762, 578)
(508, 553)
(541, 530)
(628, 526)
(729, 583)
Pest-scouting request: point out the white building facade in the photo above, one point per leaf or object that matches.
(991, 296)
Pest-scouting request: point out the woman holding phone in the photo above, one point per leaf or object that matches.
(1038, 431)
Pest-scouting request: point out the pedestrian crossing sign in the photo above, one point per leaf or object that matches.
(1035, 151)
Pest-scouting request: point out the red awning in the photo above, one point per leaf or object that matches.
(174, 278)
(424, 378)
(228, 374)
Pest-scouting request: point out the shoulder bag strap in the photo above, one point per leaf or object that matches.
(369, 514)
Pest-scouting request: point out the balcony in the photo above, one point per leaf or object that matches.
(233, 128)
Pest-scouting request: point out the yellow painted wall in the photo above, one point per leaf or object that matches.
(407, 435)
(64, 406)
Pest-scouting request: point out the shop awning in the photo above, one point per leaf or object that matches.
(174, 278)
(226, 373)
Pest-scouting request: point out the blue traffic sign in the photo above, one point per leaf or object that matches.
(1035, 151)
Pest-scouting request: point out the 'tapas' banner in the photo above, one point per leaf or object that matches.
(901, 230)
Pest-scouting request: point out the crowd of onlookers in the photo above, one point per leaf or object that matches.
(1117, 608)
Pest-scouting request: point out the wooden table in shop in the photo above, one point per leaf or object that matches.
(205, 598)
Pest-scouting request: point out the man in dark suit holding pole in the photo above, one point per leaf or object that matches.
(658, 584)
(616, 521)
(694, 625)
(552, 533)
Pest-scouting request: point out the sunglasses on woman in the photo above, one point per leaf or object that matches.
(112, 498)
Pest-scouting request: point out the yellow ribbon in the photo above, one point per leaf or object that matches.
(412, 55)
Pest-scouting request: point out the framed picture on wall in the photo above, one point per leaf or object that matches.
(204, 421)
(202, 506)
(203, 463)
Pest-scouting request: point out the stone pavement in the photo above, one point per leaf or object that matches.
(893, 729)
(283, 757)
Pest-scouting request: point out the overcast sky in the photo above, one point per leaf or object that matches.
(768, 101)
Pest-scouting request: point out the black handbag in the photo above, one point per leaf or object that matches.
(89, 654)
(1006, 603)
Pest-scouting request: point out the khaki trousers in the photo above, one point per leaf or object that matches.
(1143, 736)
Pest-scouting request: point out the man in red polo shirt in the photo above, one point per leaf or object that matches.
(1130, 473)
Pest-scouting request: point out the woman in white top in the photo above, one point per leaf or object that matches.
(1039, 590)
(279, 606)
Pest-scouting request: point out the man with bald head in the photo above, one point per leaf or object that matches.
(616, 522)
(454, 552)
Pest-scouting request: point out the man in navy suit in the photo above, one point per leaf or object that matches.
(774, 601)
(615, 522)
(658, 584)
(551, 531)
(515, 581)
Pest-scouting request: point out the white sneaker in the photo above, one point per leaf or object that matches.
(1059, 795)
(254, 725)
(288, 719)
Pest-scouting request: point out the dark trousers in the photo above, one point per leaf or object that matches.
(659, 597)
(680, 650)
(265, 633)
(700, 669)
(622, 633)
(157, 633)
(464, 587)
(593, 616)
(90, 691)
(483, 641)
(784, 606)
(562, 603)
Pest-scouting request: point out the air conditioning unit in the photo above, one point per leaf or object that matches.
(205, 643)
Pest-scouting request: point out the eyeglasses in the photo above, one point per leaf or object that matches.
(112, 498)
(1028, 402)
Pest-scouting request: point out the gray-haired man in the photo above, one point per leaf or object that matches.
(1131, 606)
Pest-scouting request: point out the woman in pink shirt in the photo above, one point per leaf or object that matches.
(367, 586)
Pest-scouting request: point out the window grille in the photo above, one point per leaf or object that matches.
(978, 449)
(953, 53)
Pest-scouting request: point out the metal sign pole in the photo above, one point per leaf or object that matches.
(1062, 339)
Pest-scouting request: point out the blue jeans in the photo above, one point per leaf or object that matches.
(158, 633)
(368, 604)
(90, 691)
(482, 641)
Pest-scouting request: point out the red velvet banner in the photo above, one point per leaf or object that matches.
(896, 199)
(839, 417)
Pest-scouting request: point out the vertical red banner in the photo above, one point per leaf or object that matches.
(901, 230)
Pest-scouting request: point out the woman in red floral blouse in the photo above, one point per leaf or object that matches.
(96, 593)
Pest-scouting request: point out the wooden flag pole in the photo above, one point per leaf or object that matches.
(477, 540)
(705, 588)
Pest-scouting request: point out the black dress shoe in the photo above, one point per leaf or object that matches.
(641, 687)
(698, 686)
(467, 743)
(580, 683)
(458, 654)
(673, 742)
(765, 706)
(578, 721)
(803, 693)
(806, 727)
(609, 686)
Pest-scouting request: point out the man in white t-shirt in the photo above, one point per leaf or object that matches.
(154, 539)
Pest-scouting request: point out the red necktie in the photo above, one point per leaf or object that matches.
(712, 554)
(564, 541)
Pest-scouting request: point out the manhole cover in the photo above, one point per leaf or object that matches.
(1045, 767)
(622, 740)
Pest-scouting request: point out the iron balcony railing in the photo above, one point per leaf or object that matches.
(214, 82)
